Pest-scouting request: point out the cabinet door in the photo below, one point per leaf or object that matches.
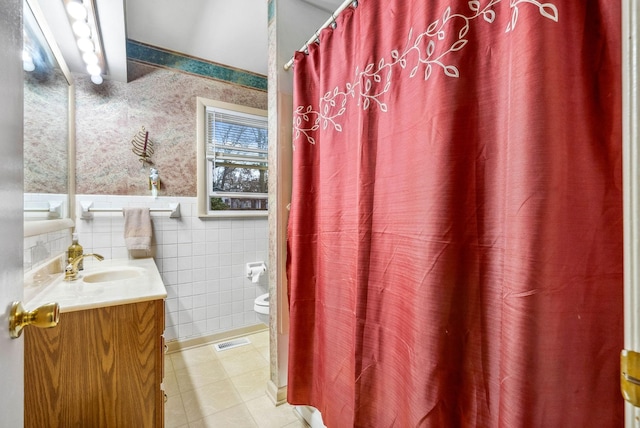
(100, 368)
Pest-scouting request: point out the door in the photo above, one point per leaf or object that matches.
(11, 210)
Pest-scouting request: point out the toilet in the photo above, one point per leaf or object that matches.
(261, 306)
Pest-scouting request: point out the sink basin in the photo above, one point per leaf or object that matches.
(111, 275)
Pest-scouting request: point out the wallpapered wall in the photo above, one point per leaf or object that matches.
(164, 102)
(46, 103)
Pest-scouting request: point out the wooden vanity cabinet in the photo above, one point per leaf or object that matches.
(98, 368)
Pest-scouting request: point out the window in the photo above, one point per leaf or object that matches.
(232, 160)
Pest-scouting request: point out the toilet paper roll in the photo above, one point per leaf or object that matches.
(255, 273)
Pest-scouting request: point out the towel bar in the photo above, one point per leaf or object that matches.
(54, 208)
(87, 210)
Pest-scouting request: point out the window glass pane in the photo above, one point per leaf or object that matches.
(239, 177)
(232, 133)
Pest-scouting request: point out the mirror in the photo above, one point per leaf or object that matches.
(47, 95)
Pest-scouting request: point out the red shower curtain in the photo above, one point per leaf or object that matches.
(455, 234)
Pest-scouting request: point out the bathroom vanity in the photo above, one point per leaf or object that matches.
(102, 366)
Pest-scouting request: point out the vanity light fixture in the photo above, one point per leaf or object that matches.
(84, 23)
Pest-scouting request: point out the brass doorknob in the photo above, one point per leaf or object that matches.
(46, 316)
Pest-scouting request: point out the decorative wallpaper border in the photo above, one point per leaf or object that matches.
(271, 11)
(148, 54)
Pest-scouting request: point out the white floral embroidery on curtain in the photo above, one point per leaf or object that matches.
(366, 86)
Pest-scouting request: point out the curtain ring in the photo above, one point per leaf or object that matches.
(354, 3)
(334, 24)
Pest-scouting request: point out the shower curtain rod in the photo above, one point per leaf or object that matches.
(328, 22)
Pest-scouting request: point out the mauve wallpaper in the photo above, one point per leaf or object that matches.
(46, 103)
(163, 101)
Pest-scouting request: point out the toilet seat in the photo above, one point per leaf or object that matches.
(261, 304)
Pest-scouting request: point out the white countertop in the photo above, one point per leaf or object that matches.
(79, 295)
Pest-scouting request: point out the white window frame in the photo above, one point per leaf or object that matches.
(203, 171)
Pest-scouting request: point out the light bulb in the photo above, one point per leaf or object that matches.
(94, 69)
(27, 61)
(76, 10)
(86, 44)
(97, 79)
(90, 58)
(28, 65)
(81, 29)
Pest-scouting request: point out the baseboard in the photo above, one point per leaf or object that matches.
(179, 345)
(277, 395)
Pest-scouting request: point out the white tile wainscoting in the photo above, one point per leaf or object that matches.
(202, 261)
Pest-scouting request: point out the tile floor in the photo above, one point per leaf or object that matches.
(209, 388)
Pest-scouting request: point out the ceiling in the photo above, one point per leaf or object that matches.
(233, 33)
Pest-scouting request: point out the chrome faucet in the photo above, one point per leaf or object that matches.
(71, 271)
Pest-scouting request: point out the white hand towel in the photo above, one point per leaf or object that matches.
(137, 228)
